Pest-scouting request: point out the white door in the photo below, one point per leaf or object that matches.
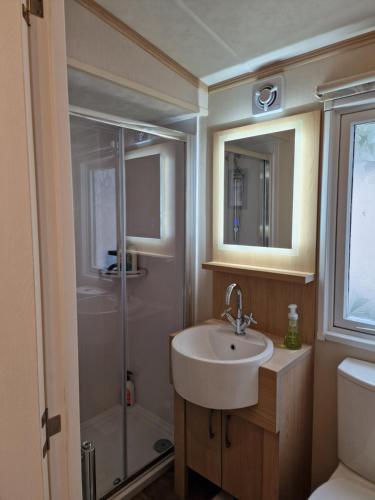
(38, 337)
(23, 470)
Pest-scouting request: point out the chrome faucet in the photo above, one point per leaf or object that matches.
(240, 323)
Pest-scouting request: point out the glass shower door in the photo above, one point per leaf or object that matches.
(155, 241)
(129, 207)
(98, 208)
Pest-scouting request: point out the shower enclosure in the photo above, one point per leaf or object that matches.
(129, 207)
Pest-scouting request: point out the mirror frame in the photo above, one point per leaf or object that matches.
(163, 246)
(301, 257)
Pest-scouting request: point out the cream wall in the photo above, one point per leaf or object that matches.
(94, 44)
(232, 107)
(234, 104)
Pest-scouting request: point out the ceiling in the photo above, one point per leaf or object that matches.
(219, 39)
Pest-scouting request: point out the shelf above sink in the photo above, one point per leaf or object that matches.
(299, 277)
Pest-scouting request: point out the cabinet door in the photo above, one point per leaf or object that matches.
(241, 457)
(203, 441)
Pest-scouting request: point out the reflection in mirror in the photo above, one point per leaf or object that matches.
(143, 196)
(258, 191)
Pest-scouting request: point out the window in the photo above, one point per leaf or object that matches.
(98, 215)
(347, 268)
(355, 262)
(103, 216)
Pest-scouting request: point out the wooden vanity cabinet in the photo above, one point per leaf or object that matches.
(226, 449)
(203, 441)
(261, 452)
(242, 451)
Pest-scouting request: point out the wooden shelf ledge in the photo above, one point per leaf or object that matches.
(298, 277)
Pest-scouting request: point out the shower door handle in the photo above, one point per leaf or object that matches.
(88, 470)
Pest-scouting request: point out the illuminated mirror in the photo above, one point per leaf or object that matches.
(258, 190)
(265, 194)
(150, 176)
(143, 196)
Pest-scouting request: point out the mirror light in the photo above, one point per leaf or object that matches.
(163, 246)
(301, 256)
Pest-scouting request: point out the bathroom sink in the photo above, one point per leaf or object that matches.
(214, 368)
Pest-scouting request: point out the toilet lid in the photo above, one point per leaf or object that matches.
(343, 489)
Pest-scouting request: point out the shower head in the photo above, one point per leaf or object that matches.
(142, 137)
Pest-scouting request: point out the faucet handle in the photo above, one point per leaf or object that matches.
(226, 312)
(249, 319)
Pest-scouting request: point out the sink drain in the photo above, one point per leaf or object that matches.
(162, 445)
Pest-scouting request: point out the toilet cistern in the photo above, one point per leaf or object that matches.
(240, 323)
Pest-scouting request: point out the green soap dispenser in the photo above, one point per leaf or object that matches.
(292, 339)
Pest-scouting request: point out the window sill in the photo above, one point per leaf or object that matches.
(365, 342)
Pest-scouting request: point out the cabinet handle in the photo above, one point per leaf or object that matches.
(228, 444)
(211, 433)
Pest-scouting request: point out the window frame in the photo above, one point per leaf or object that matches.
(90, 269)
(334, 218)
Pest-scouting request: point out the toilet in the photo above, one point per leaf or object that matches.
(354, 478)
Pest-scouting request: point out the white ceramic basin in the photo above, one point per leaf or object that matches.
(214, 368)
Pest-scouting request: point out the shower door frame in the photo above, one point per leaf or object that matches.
(190, 183)
(189, 207)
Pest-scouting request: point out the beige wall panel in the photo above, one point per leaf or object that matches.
(92, 42)
(268, 300)
(233, 106)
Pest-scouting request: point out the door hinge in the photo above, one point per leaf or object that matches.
(53, 426)
(32, 7)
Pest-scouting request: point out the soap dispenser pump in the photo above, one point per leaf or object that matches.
(292, 339)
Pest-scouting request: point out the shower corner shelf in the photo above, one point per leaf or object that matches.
(137, 274)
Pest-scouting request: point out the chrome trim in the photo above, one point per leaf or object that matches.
(240, 323)
(121, 256)
(119, 121)
(190, 234)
